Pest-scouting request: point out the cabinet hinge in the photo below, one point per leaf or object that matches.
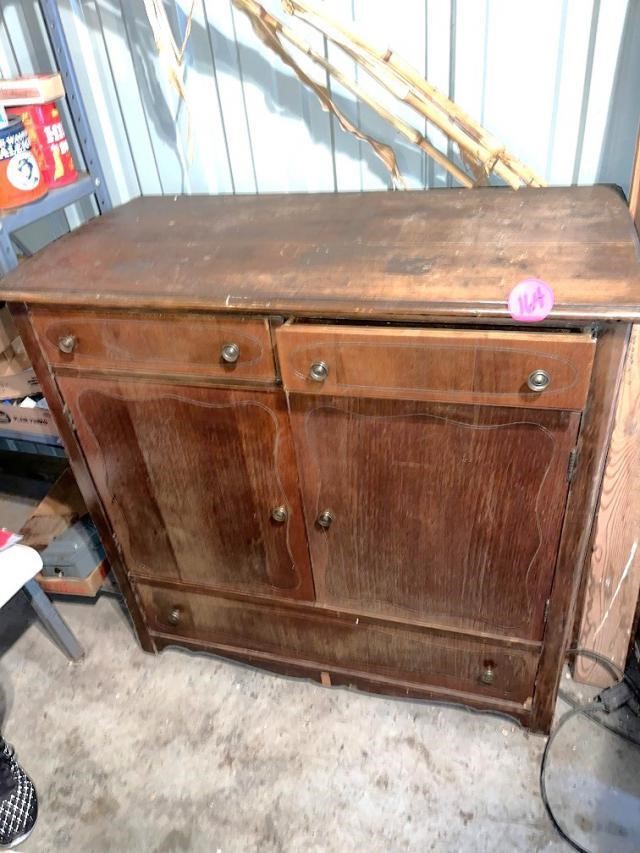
(572, 465)
(66, 411)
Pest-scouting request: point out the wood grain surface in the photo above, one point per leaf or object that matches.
(610, 606)
(438, 253)
(613, 581)
(396, 651)
(595, 434)
(441, 365)
(189, 477)
(441, 512)
(352, 679)
(179, 344)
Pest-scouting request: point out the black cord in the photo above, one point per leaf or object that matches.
(603, 660)
(589, 709)
(592, 714)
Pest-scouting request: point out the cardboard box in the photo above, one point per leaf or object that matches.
(16, 385)
(36, 89)
(34, 425)
(17, 378)
(14, 359)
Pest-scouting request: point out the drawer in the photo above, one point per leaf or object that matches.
(530, 369)
(409, 654)
(174, 344)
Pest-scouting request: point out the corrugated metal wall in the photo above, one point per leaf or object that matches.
(557, 80)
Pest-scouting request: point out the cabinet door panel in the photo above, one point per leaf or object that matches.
(189, 476)
(443, 513)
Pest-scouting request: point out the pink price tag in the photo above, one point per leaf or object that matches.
(530, 301)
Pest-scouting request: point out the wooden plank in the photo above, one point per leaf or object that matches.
(453, 254)
(614, 563)
(581, 504)
(613, 574)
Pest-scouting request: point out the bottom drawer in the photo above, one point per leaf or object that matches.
(407, 654)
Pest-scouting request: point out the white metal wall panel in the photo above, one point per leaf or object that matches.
(609, 29)
(539, 75)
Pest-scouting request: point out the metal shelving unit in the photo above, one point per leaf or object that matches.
(89, 183)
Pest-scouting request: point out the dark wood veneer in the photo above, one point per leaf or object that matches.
(459, 502)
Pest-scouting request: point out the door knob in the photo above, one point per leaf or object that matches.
(325, 519)
(175, 615)
(279, 514)
(318, 371)
(67, 343)
(538, 380)
(230, 353)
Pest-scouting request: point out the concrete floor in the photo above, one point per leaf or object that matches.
(183, 752)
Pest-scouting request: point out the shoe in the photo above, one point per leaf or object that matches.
(18, 800)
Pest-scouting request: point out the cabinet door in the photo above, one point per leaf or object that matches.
(189, 478)
(441, 513)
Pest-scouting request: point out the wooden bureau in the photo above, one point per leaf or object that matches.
(312, 437)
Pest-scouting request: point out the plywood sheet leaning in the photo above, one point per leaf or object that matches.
(613, 581)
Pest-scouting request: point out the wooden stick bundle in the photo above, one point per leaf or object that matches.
(480, 152)
(407, 84)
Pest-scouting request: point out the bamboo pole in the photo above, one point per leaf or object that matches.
(432, 113)
(413, 135)
(264, 27)
(423, 97)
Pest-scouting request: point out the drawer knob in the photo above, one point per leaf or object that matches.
(67, 343)
(488, 673)
(230, 353)
(325, 519)
(175, 615)
(538, 380)
(279, 514)
(318, 371)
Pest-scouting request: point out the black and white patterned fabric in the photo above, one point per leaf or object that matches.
(19, 805)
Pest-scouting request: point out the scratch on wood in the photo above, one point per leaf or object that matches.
(623, 577)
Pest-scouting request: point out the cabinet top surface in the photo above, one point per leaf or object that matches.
(440, 253)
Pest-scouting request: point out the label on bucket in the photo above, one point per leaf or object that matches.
(16, 142)
(531, 300)
(20, 175)
(23, 171)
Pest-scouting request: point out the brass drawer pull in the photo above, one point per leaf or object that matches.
(279, 514)
(174, 617)
(488, 673)
(230, 353)
(325, 519)
(538, 380)
(318, 371)
(67, 343)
